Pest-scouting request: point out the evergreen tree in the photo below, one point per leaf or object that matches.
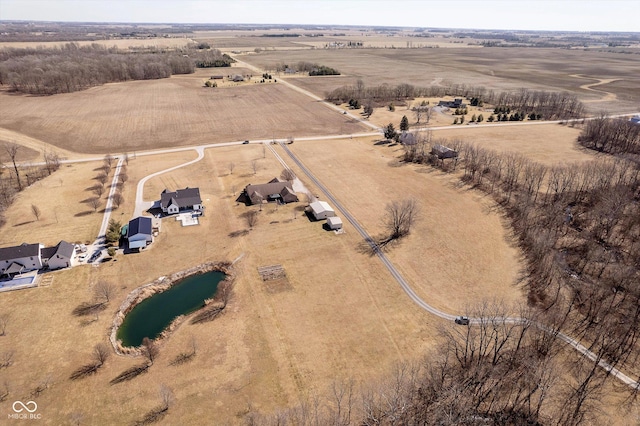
(404, 123)
(389, 131)
(480, 118)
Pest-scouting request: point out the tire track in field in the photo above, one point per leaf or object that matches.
(607, 96)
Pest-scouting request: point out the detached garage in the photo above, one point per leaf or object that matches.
(139, 232)
(321, 210)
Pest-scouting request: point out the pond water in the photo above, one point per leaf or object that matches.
(151, 316)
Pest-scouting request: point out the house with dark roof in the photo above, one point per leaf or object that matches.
(187, 199)
(19, 259)
(456, 103)
(275, 190)
(443, 152)
(58, 256)
(139, 232)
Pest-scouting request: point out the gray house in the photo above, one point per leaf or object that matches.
(140, 232)
(187, 199)
(58, 256)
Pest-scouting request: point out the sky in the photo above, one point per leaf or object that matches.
(555, 15)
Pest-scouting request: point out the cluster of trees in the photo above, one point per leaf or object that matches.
(211, 58)
(550, 105)
(323, 70)
(15, 180)
(495, 372)
(579, 227)
(614, 136)
(73, 67)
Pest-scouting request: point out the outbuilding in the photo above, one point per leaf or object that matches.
(139, 232)
(321, 210)
(334, 222)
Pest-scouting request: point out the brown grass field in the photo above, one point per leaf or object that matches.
(339, 314)
(163, 113)
(493, 68)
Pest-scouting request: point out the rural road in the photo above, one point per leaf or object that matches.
(424, 305)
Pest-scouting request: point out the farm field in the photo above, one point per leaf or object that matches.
(448, 271)
(338, 314)
(165, 113)
(119, 43)
(277, 341)
(492, 68)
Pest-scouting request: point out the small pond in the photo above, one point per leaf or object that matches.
(151, 316)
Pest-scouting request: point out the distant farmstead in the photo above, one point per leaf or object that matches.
(181, 200)
(456, 103)
(443, 152)
(275, 190)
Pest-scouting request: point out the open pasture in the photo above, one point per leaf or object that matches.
(338, 316)
(459, 252)
(492, 68)
(170, 112)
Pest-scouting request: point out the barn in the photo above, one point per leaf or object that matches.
(321, 210)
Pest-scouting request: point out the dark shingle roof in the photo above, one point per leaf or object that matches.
(23, 250)
(139, 225)
(182, 197)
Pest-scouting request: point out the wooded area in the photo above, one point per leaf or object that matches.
(73, 67)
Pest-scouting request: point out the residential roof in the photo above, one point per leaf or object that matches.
(139, 225)
(23, 250)
(320, 206)
(15, 268)
(443, 152)
(63, 249)
(272, 189)
(334, 220)
(182, 197)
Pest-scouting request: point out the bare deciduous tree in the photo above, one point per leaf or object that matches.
(94, 203)
(52, 162)
(287, 174)
(231, 166)
(102, 178)
(123, 176)
(251, 217)
(98, 190)
(103, 290)
(108, 160)
(117, 199)
(12, 151)
(150, 350)
(399, 217)
(36, 211)
(6, 359)
(254, 167)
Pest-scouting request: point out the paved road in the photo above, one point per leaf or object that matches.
(424, 305)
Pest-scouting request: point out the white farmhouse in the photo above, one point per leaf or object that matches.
(19, 259)
(321, 210)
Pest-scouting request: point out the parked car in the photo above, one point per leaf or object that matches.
(245, 142)
(94, 256)
(462, 320)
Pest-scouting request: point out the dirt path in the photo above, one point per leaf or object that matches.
(607, 96)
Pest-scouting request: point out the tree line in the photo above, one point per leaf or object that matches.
(545, 105)
(72, 67)
(611, 135)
